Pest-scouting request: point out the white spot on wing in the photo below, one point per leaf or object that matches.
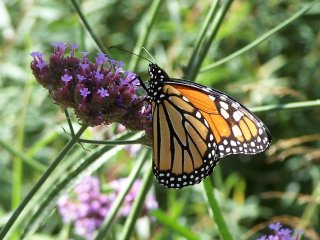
(236, 116)
(185, 99)
(224, 105)
(224, 113)
(236, 131)
(212, 97)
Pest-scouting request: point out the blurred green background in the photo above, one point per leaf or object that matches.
(282, 184)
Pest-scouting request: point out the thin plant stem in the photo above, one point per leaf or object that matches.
(118, 201)
(196, 61)
(137, 205)
(60, 180)
(88, 27)
(310, 212)
(143, 36)
(25, 158)
(69, 122)
(258, 40)
(287, 106)
(216, 211)
(40, 182)
(210, 17)
(171, 224)
(120, 142)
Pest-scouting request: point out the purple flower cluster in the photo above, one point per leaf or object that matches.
(150, 202)
(280, 233)
(100, 92)
(88, 207)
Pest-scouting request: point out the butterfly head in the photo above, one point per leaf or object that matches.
(156, 73)
(157, 77)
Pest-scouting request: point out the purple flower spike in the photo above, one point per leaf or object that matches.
(112, 91)
(280, 233)
(84, 92)
(87, 213)
(103, 92)
(66, 78)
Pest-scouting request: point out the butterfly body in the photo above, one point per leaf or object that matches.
(194, 126)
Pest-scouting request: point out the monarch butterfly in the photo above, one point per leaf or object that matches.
(194, 126)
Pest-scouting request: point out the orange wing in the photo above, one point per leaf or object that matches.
(195, 127)
(235, 129)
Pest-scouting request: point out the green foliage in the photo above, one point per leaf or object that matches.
(251, 191)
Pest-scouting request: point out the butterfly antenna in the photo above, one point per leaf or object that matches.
(143, 48)
(131, 53)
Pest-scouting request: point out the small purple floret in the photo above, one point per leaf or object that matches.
(103, 92)
(84, 92)
(280, 233)
(101, 59)
(98, 76)
(80, 77)
(66, 78)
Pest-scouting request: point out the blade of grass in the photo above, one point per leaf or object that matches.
(64, 179)
(173, 225)
(137, 205)
(118, 201)
(310, 212)
(143, 36)
(28, 160)
(69, 122)
(120, 142)
(41, 181)
(88, 27)
(212, 31)
(204, 29)
(288, 106)
(217, 214)
(259, 40)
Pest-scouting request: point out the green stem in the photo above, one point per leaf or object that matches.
(143, 36)
(217, 214)
(137, 205)
(111, 143)
(210, 17)
(118, 201)
(28, 160)
(195, 63)
(69, 122)
(258, 40)
(41, 181)
(172, 225)
(310, 212)
(88, 27)
(288, 106)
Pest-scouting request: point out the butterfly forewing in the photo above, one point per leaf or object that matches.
(194, 126)
(235, 129)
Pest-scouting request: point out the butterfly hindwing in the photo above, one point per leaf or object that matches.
(182, 153)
